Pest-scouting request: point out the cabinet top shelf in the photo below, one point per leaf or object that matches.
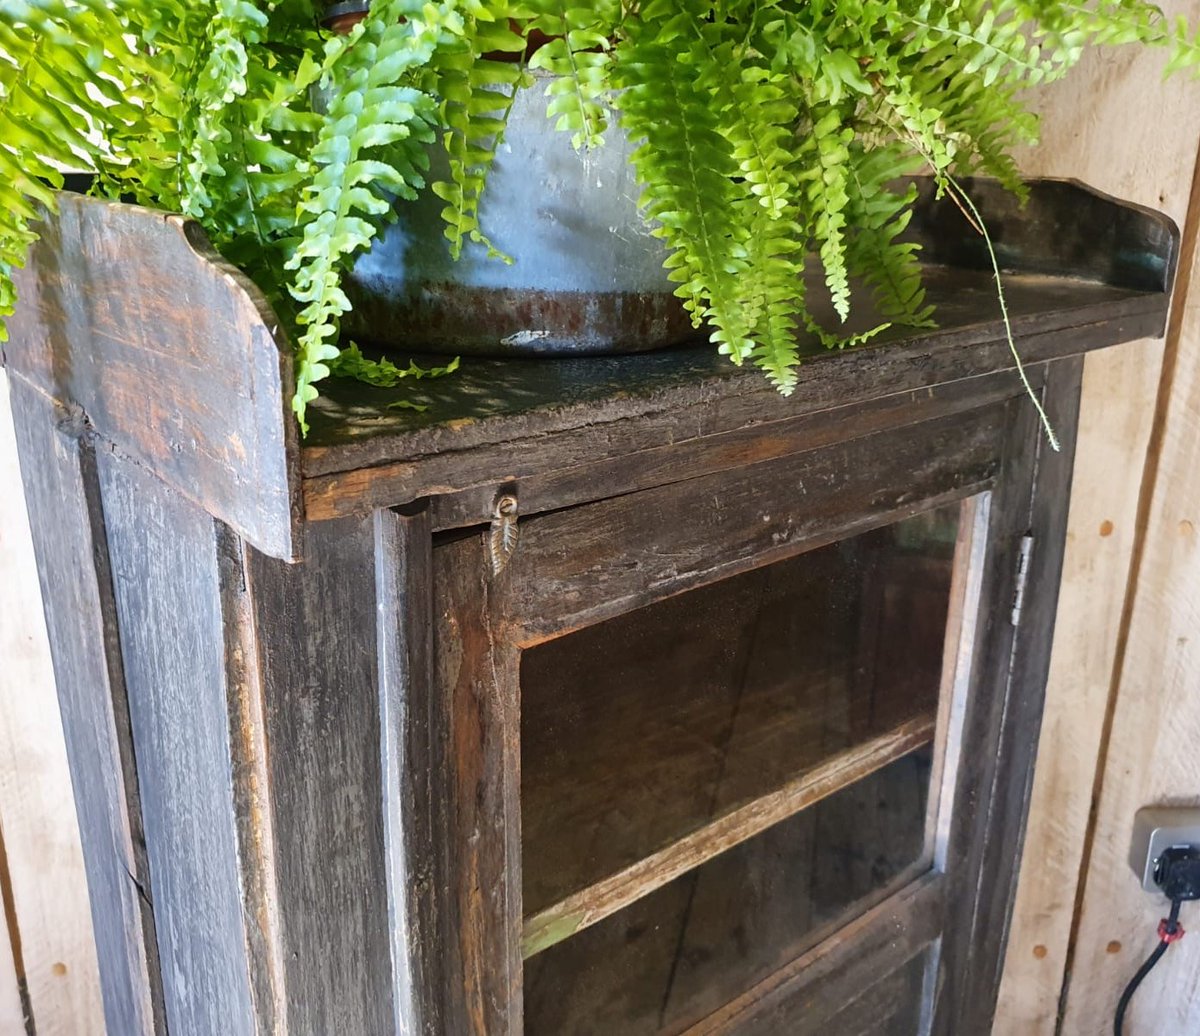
(130, 320)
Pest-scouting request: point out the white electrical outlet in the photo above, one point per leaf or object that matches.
(1155, 830)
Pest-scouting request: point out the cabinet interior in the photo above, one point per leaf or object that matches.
(713, 783)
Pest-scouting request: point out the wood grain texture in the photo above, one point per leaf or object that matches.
(477, 679)
(319, 661)
(1155, 723)
(583, 565)
(1003, 731)
(707, 454)
(413, 727)
(61, 487)
(167, 587)
(1000, 729)
(37, 807)
(1114, 95)
(499, 421)
(170, 353)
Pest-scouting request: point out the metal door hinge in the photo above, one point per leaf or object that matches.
(502, 539)
(1023, 558)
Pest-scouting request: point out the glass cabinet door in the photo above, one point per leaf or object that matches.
(711, 782)
(751, 745)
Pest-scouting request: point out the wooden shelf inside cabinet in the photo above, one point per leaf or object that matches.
(736, 739)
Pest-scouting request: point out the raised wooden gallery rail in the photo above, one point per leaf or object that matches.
(289, 671)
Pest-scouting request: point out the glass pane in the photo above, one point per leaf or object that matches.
(893, 1006)
(641, 730)
(691, 946)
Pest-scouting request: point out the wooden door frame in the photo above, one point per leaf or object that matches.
(483, 622)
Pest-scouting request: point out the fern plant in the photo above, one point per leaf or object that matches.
(770, 130)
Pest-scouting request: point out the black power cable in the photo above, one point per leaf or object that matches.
(1177, 873)
(1169, 931)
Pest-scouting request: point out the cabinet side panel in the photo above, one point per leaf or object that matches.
(166, 580)
(60, 485)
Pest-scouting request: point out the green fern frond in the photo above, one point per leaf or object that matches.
(578, 54)
(477, 86)
(879, 212)
(686, 168)
(369, 110)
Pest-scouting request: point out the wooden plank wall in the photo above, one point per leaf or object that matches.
(1117, 126)
(37, 809)
(1153, 733)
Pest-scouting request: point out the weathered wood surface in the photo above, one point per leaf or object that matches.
(413, 727)
(319, 664)
(477, 678)
(62, 488)
(37, 809)
(587, 564)
(1115, 94)
(167, 587)
(170, 353)
(999, 734)
(1065, 225)
(496, 421)
(309, 885)
(1153, 723)
(753, 443)
(99, 327)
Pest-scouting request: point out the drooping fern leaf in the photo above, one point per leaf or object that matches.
(480, 76)
(578, 52)
(686, 167)
(369, 110)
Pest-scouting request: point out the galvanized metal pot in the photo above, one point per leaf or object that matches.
(587, 276)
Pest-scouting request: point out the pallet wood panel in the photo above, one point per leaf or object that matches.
(62, 488)
(1155, 718)
(37, 807)
(1120, 95)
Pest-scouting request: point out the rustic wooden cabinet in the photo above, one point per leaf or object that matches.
(606, 696)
